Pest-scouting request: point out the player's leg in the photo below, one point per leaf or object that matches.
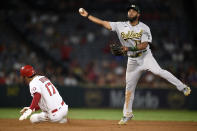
(39, 117)
(60, 115)
(63, 114)
(132, 76)
(152, 65)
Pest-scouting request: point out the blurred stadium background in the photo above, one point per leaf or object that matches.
(74, 53)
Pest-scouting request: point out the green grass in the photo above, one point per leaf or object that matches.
(9, 113)
(115, 114)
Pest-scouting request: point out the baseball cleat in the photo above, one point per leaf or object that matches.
(64, 120)
(124, 120)
(186, 91)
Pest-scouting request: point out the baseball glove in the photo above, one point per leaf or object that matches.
(117, 50)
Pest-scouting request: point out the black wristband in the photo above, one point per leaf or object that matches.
(88, 15)
(132, 48)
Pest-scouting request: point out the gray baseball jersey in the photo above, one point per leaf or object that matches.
(130, 36)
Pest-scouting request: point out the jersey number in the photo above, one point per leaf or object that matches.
(49, 85)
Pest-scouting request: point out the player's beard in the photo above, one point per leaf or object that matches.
(132, 19)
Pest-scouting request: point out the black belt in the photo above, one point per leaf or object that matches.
(137, 54)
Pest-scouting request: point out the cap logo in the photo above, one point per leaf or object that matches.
(132, 5)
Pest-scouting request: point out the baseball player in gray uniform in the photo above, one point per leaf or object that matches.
(135, 38)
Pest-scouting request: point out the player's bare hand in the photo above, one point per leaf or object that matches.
(83, 12)
(23, 110)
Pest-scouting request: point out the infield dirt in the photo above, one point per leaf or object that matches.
(96, 125)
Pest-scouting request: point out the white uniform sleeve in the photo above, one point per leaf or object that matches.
(113, 25)
(34, 87)
(146, 35)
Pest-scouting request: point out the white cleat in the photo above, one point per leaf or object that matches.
(124, 120)
(186, 91)
(64, 120)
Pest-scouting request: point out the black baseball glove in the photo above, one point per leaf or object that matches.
(117, 50)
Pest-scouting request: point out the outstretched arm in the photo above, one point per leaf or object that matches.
(96, 20)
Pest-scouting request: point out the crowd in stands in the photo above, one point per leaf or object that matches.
(82, 47)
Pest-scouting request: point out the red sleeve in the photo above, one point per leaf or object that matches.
(37, 108)
(36, 99)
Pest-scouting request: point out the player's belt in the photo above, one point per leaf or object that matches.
(137, 54)
(55, 110)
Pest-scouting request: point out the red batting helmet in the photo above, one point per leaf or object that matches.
(27, 71)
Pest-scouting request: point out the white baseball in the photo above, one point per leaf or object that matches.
(80, 9)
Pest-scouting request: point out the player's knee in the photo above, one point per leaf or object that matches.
(34, 118)
(55, 118)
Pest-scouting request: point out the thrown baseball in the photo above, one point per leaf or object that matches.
(80, 9)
